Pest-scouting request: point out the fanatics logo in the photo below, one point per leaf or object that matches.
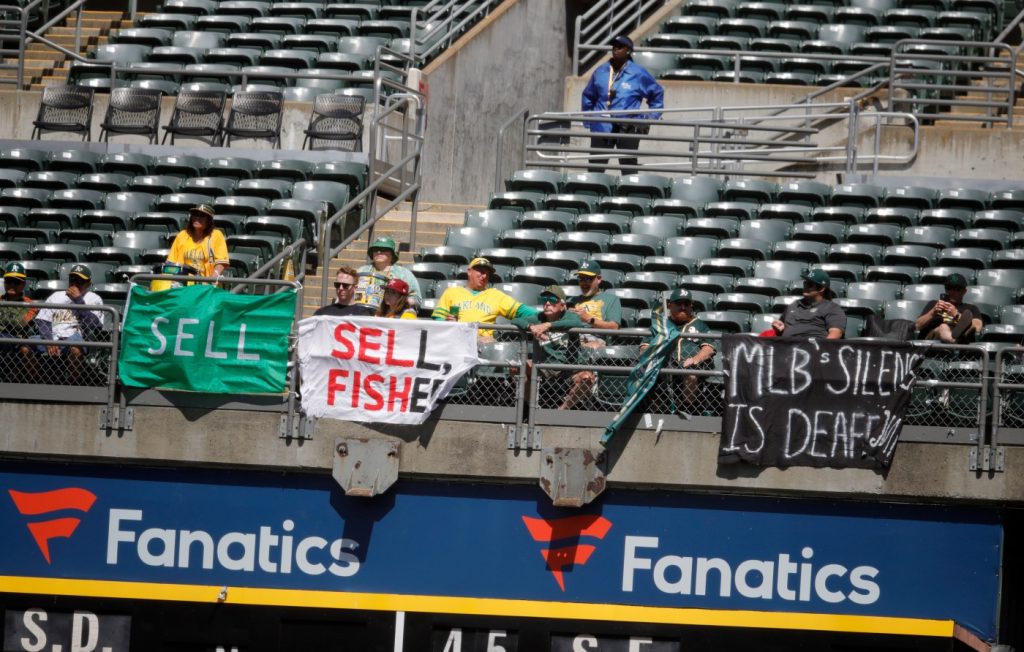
(567, 531)
(47, 502)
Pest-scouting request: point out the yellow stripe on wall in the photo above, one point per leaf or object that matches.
(479, 606)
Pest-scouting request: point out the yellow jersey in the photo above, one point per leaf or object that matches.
(203, 255)
(483, 307)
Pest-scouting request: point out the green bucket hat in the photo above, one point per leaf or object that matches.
(383, 242)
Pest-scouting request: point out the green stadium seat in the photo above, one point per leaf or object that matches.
(213, 186)
(826, 232)
(521, 201)
(857, 194)
(155, 184)
(726, 321)
(510, 256)
(105, 182)
(639, 244)
(539, 275)
(716, 227)
(13, 251)
(973, 257)
(657, 225)
(544, 181)
(269, 189)
(619, 263)
(592, 241)
(862, 253)
(659, 281)
(691, 247)
(107, 220)
(29, 235)
(263, 247)
(455, 254)
(59, 252)
(160, 221)
(875, 290)
(970, 199)
(49, 180)
(909, 309)
(612, 224)
(127, 163)
(635, 297)
(629, 206)
(793, 213)
(694, 26)
(535, 239)
(738, 267)
(1012, 314)
(916, 197)
(11, 178)
(897, 215)
(335, 194)
(748, 248)
(650, 186)
(735, 209)
(667, 264)
(712, 283)
(957, 218)
(859, 307)
(41, 270)
(767, 287)
(114, 255)
(86, 237)
(676, 207)
(939, 274)
(52, 218)
(595, 184)
(180, 201)
(801, 250)
(910, 254)
(1008, 278)
(1001, 199)
(258, 206)
(700, 190)
(1007, 219)
(567, 260)
(179, 165)
(893, 273)
(994, 239)
(434, 271)
(879, 234)
(25, 197)
(1008, 259)
(844, 214)
(77, 198)
(711, 8)
(577, 204)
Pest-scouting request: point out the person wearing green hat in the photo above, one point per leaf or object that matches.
(552, 341)
(597, 309)
(949, 319)
(15, 321)
(56, 323)
(200, 246)
(383, 266)
(813, 315)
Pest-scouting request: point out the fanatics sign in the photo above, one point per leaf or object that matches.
(381, 370)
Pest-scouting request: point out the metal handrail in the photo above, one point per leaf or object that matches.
(519, 116)
(602, 14)
(295, 247)
(1003, 35)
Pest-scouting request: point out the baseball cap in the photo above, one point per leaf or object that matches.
(384, 242)
(15, 270)
(555, 291)
(589, 268)
(398, 285)
(680, 294)
(81, 271)
(204, 209)
(622, 39)
(480, 261)
(818, 277)
(956, 280)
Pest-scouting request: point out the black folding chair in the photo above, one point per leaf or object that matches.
(255, 115)
(65, 108)
(198, 115)
(133, 111)
(336, 123)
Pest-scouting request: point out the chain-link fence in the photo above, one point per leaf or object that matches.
(58, 344)
(1008, 393)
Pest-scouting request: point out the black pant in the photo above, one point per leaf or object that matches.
(604, 142)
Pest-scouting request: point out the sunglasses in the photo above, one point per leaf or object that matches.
(681, 304)
(546, 299)
(338, 286)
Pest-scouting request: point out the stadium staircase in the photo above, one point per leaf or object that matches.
(432, 224)
(45, 66)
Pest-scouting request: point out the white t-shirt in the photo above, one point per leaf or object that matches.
(65, 323)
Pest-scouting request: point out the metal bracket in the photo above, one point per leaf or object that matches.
(571, 477)
(302, 427)
(524, 437)
(992, 459)
(365, 467)
(117, 418)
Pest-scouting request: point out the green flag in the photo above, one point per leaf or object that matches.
(645, 373)
(205, 339)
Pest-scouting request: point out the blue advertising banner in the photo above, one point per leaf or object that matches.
(499, 550)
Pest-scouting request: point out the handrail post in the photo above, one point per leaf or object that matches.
(78, 29)
(21, 47)
(576, 45)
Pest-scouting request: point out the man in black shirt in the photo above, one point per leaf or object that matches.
(345, 286)
(949, 319)
(814, 315)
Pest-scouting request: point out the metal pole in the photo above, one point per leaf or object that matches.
(576, 45)
(78, 30)
(21, 48)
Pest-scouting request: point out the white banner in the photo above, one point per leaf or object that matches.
(381, 370)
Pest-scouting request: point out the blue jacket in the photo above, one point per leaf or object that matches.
(632, 86)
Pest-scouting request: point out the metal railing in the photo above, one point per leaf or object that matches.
(439, 23)
(25, 36)
(602, 22)
(773, 140)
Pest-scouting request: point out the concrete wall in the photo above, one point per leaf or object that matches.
(516, 59)
(459, 450)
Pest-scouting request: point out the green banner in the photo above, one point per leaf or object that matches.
(205, 339)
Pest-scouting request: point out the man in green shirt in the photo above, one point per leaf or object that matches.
(552, 341)
(689, 352)
(597, 309)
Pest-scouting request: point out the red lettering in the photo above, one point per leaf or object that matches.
(333, 385)
(366, 345)
(347, 349)
(403, 395)
(395, 362)
(355, 389)
(373, 393)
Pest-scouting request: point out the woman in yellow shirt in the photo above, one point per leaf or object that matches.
(395, 303)
(199, 245)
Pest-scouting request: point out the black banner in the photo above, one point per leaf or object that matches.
(812, 402)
